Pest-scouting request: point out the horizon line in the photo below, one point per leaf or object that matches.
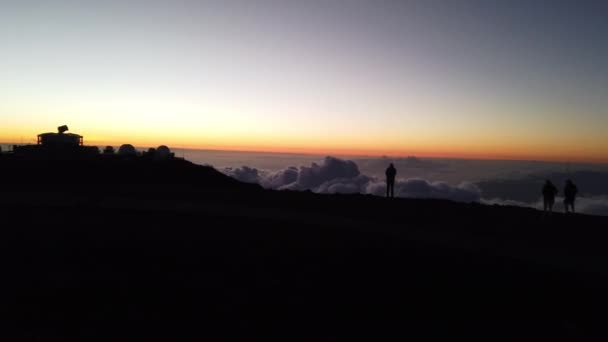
(335, 153)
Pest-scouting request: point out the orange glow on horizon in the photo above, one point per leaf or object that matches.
(485, 150)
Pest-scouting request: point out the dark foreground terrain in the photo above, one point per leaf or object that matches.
(136, 248)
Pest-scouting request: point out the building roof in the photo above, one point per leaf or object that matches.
(50, 134)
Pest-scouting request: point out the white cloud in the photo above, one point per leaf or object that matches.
(244, 174)
(351, 185)
(500, 201)
(278, 179)
(331, 169)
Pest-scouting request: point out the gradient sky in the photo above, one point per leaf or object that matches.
(475, 79)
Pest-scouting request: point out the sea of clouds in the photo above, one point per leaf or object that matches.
(336, 175)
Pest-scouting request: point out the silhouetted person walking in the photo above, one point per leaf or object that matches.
(570, 191)
(391, 172)
(549, 192)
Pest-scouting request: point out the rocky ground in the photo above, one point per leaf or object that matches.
(137, 248)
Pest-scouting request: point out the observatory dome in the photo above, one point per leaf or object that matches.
(163, 152)
(127, 150)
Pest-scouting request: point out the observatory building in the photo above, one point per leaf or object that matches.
(61, 138)
(69, 146)
(164, 153)
(159, 154)
(127, 150)
(60, 145)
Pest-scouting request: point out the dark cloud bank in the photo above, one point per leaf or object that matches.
(525, 190)
(334, 175)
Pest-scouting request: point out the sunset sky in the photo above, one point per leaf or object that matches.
(473, 79)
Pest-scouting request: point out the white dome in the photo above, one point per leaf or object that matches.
(127, 150)
(163, 152)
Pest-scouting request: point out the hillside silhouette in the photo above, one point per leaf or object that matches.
(133, 247)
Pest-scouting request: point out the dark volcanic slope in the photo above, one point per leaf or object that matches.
(172, 249)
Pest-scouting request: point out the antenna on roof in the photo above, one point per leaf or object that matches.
(62, 129)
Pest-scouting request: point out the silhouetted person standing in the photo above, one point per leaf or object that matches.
(570, 191)
(391, 172)
(549, 192)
